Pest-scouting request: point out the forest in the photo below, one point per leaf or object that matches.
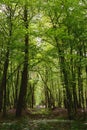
(43, 63)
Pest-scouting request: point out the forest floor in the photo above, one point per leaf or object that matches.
(42, 119)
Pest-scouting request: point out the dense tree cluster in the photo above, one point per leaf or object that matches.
(43, 54)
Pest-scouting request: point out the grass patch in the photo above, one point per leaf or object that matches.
(46, 124)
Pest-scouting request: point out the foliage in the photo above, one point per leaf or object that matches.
(43, 42)
(42, 124)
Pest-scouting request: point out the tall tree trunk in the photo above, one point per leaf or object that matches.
(80, 80)
(75, 103)
(65, 73)
(24, 80)
(16, 90)
(6, 63)
(73, 81)
(3, 84)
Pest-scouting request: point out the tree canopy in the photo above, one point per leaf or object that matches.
(43, 55)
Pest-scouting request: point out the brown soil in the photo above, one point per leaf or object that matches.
(51, 114)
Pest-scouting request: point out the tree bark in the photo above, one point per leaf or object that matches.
(24, 80)
(3, 84)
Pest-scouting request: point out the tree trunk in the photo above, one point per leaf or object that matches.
(65, 72)
(24, 80)
(16, 90)
(3, 84)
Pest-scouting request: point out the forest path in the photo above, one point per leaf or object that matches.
(41, 119)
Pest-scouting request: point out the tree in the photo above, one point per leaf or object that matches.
(9, 14)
